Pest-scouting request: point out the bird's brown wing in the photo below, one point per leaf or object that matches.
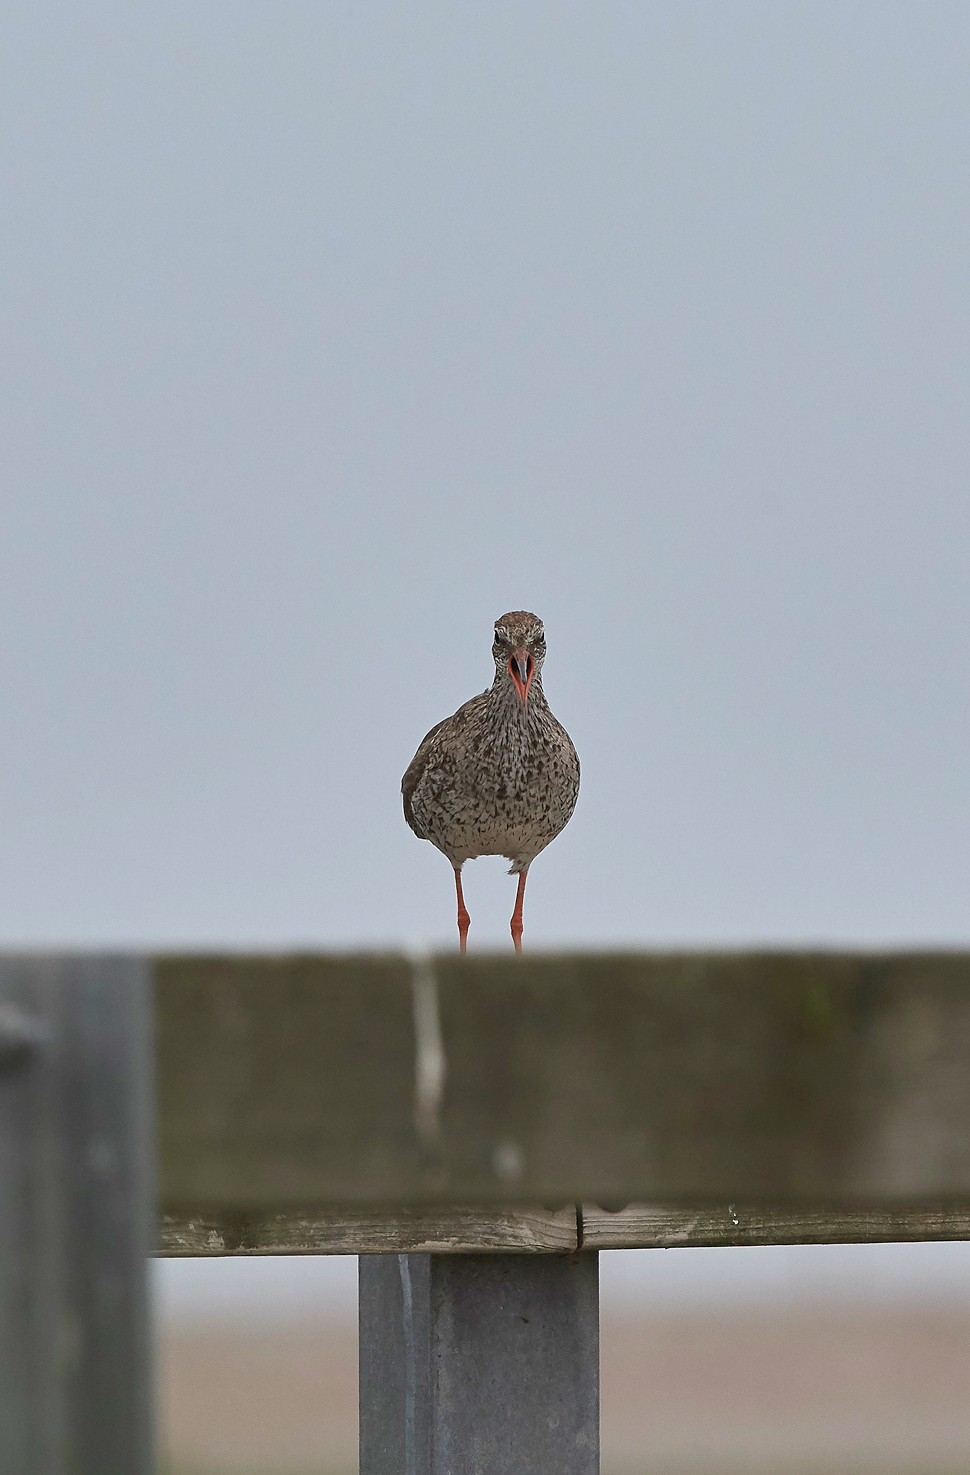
(457, 725)
(415, 769)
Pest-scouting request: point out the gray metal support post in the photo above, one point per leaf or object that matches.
(479, 1364)
(76, 1212)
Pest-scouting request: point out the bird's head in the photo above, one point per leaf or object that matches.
(519, 650)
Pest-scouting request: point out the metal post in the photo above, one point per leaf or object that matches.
(479, 1364)
(76, 1211)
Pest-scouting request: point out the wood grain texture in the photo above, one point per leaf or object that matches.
(288, 1084)
(548, 1231)
(666, 1226)
(447, 1231)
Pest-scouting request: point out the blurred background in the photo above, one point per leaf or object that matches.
(331, 333)
(799, 1360)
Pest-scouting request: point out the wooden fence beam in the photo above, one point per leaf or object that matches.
(295, 1086)
(458, 1231)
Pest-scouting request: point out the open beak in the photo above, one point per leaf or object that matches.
(521, 669)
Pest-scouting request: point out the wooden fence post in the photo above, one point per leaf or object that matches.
(479, 1362)
(76, 1216)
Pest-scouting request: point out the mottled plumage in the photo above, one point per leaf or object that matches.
(501, 776)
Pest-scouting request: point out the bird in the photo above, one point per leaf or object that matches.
(501, 776)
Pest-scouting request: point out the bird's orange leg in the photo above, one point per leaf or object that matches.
(517, 914)
(464, 920)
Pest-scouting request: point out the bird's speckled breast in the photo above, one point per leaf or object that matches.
(496, 782)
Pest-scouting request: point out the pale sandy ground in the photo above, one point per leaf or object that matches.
(850, 1391)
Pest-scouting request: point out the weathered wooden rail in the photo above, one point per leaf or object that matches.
(454, 1122)
(344, 1104)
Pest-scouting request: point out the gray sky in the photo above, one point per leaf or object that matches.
(332, 332)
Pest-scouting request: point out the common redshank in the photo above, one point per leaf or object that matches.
(501, 776)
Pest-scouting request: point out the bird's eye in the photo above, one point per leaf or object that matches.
(498, 638)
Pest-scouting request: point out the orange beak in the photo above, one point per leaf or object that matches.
(521, 669)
